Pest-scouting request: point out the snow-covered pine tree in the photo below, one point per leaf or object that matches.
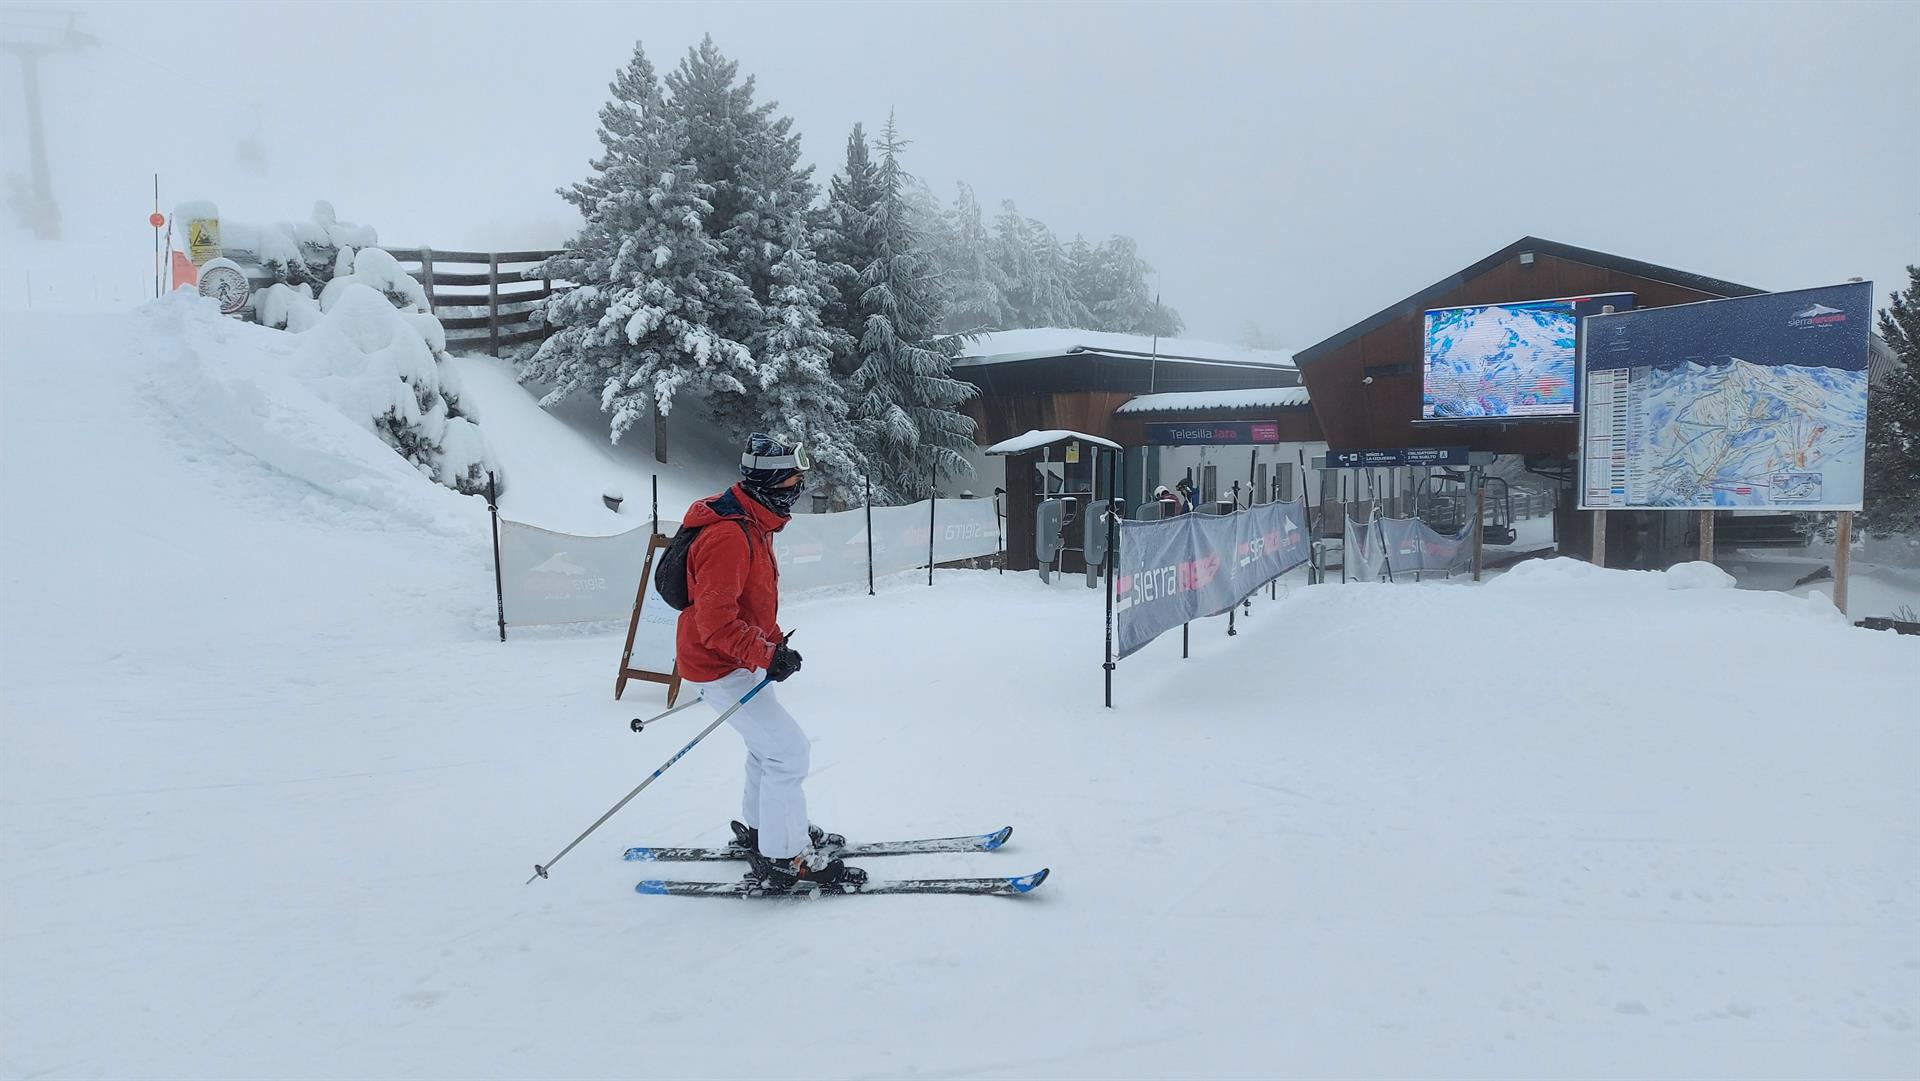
(799, 399)
(1013, 254)
(1083, 280)
(970, 274)
(639, 327)
(906, 399)
(1892, 504)
(1050, 292)
(760, 208)
(847, 246)
(1122, 302)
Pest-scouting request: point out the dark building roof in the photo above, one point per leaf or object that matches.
(1427, 298)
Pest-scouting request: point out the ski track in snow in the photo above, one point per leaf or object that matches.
(270, 792)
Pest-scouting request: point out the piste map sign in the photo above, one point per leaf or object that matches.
(1212, 432)
(1753, 402)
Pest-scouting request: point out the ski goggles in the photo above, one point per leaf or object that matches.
(796, 460)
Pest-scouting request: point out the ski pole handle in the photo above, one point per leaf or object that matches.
(540, 869)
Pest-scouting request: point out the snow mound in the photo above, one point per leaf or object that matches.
(294, 402)
(1698, 575)
(1559, 573)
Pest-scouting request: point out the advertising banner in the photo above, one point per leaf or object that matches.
(1753, 402)
(1193, 566)
(1389, 547)
(549, 577)
(819, 550)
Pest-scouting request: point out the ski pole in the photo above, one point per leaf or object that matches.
(639, 725)
(540, 870)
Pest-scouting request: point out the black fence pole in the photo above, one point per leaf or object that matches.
(1183, 640)
(656, 504)
(499, 590)
(999, 539)
(1113, 566)
(933, 501)
(869, 481)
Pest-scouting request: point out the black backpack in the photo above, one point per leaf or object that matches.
(670, 575)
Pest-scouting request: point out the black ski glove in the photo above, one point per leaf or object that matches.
(785, 663)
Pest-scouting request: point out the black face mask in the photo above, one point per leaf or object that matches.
(778, 500)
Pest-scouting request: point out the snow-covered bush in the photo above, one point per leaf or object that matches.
(371, 344)
(298, 253)
(385, 368)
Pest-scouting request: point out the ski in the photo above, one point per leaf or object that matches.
(748, 887)
(982, 842)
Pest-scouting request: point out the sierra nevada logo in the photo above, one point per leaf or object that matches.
(1816, 316)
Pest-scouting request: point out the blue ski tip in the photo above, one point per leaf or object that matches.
(1025, 883)
(994, 840)
(655, 886)
(638, 854)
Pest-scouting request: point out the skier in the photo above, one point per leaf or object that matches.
(729, 633)
(1174, 505)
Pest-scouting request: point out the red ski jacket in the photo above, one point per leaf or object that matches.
(734, 584)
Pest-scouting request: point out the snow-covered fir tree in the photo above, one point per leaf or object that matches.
(761, 202)
(906, 399)
(1014, 257)
(1121, 301)
(641, 327)
(1892, 504)
(970, 274)
(799, 399)
(1083, 276)
(1049, 292)
(847, 246)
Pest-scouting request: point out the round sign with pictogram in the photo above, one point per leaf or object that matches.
(226, 282)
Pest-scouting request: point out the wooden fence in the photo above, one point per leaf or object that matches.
(486, 315)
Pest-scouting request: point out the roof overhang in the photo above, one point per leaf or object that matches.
(1034, 440)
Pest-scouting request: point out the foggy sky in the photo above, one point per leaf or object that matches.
(1296, 166)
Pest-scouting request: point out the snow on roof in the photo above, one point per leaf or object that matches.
(1006, 346)
(1257, 398)
(1035, 440)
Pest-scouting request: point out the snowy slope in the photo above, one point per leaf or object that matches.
(271, 792)
(559, 461)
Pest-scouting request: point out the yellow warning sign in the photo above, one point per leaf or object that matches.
(1073, 453)
(203, 240)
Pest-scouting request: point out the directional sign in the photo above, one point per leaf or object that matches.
(1365, 459)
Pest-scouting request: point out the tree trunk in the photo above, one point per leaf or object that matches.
(659, 435)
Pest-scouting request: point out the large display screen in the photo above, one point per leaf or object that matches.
(1502, 361)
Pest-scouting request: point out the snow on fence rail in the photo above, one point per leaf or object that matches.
(549, 578)
(483, 316)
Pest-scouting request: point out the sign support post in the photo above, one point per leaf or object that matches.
(1479, 521)
(1706, 535)
(1600, 538)
(1842, 542)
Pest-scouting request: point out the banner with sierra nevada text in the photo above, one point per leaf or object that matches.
(1180, 569)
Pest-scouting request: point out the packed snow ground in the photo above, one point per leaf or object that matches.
(271, 792)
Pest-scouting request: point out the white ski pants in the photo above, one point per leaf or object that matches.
(774, 802)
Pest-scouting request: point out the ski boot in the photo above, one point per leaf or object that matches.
(808, 870)
(747, 837)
